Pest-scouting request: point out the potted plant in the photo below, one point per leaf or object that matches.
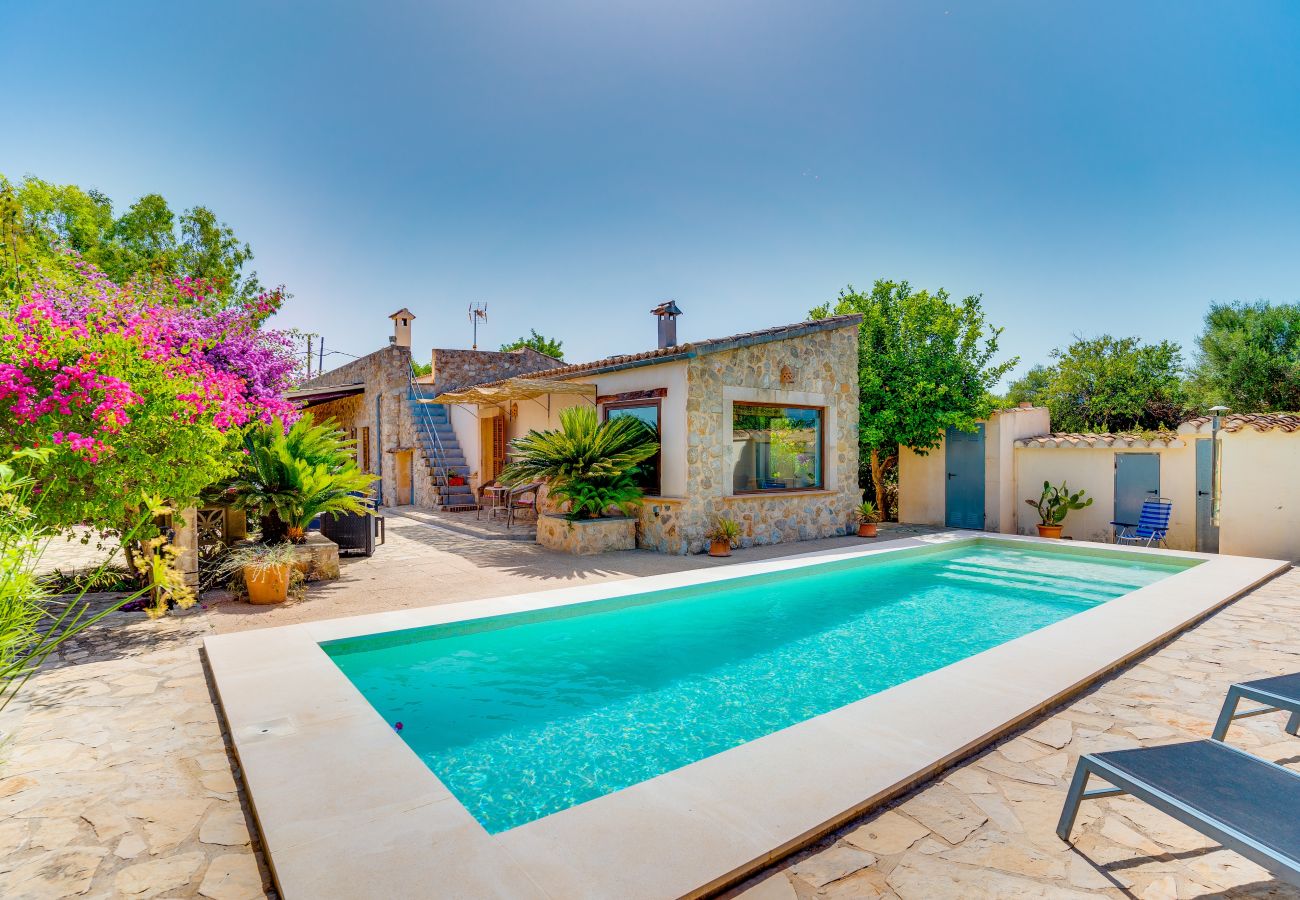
(867, 519)
(1054, 505)
(588, 463)
(290, 476)
(267, 570)
(455, 480)
(723, 536)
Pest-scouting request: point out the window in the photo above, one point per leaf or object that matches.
(647, 412)
(775, 448)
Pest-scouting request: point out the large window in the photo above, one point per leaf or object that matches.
(646, 412)
(775, 448)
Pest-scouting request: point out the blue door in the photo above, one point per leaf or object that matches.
(1207, 533)
(1137, 478)
(964, 498)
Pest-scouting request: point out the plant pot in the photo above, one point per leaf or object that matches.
(269, 584)
(719, 548)
(1050, 531)
(866, 529)
(455, 481)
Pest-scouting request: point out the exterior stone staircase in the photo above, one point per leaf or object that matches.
(440, 450)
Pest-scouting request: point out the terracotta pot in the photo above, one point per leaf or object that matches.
(1050, 531)
(866, 529)
(455, 481)
(719, 548)
(268, 585)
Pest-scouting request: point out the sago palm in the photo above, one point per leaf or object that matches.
(290, 477)
(587, 462)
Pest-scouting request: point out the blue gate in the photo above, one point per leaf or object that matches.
(1207, 533)
(964, 497)
(1137, 478)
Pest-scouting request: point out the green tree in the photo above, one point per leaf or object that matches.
(1249, 357)
(1032, 387)
(538, 342)
(926, 363)
(38, 219)
(1115, 384)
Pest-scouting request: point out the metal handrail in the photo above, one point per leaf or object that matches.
(423, 423)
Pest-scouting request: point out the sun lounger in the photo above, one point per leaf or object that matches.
(1243, 802)
(1280, 694)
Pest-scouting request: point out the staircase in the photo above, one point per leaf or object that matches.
(441, 451)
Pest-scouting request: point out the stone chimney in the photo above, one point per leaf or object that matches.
(667, 313)
(402, 328)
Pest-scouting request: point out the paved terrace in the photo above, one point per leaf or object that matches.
(118, 780)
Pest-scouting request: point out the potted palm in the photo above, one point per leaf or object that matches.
(268, 570)
(1054, 505)
(291, 476)
(590, 468)
(723, 536)
(867, 519)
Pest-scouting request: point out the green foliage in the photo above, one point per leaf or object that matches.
(1055, 503)
(31, 625)
(591, 464)
(538, 342)
(290, 477)
(1249, 357)
(724, 530)
(926, 363)
(867, 512)
(147, 241)
(1032, 387)
(1110, 384)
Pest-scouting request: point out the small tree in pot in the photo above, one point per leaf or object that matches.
(723, 536)
(1054, 505)
(868, 516)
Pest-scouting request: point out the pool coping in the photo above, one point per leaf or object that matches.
(346, 809)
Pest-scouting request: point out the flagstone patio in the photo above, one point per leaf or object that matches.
(118, 780)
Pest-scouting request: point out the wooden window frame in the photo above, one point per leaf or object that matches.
(821, 446)
(652, 398)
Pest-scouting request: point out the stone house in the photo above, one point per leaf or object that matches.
(409, 445)
(982, 479)
(761, 427)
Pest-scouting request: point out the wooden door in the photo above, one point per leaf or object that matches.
(405, 495)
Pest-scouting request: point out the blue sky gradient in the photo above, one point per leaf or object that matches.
(1087, 167)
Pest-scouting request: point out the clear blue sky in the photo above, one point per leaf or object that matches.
(1087, 167)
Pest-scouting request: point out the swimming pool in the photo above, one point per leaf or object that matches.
(524, 715)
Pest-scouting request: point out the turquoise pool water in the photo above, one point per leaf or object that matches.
(524, 715)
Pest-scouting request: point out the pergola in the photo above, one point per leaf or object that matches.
(509, 389)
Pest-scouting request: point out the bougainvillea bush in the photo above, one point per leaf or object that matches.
(135, 389)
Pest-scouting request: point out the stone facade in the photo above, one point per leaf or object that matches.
(818, 369)
(453, 369)
(384, 409)
(586, 536)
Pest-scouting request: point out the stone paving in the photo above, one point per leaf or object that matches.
(117, 780)
(987, 829)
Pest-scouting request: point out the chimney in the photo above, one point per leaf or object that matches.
(667, 313)
(402, 328)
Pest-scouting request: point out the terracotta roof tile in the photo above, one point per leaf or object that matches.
(1100, 439)
(1288, 422)
(697, 348)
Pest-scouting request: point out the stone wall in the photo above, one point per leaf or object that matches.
(819, 369)
(455, 369)
(586, 537)
(385, 410)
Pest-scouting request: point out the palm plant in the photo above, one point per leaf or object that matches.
(587, 462)
(290, 477)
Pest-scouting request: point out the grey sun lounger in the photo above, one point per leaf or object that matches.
(1277, 694)
(1245, 803)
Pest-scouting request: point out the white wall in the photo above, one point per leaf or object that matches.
(1260, 508)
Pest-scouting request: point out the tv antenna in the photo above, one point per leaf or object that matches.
(477, 311)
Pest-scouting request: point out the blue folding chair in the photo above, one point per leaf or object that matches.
(1152, 525)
